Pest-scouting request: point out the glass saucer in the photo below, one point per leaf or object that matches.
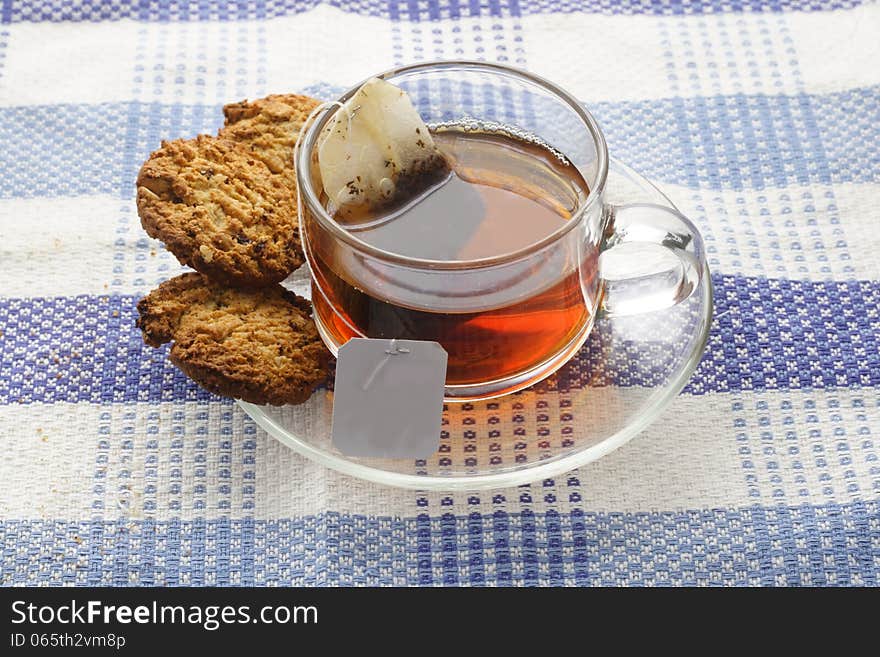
(621, 380)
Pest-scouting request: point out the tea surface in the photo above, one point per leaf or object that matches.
(503, 194)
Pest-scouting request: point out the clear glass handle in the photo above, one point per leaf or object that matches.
(652, 258)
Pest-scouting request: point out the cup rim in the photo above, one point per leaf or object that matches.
(308, 195)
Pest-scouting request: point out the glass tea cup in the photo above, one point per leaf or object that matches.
(511, 319)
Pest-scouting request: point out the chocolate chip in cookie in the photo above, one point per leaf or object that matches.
(269, 127)
(219, 209)
(260, 346)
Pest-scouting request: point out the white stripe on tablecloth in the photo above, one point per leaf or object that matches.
(648, 57)
(596, 57)
(69, 246)
(48, 63)
(210, 461)
(858, 210)
(815, 232)
(190, 62)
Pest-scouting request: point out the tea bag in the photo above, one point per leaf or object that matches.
(377, 151)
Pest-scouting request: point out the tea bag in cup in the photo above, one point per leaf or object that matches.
(376, 153)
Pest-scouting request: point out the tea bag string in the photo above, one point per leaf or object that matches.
(393, 350)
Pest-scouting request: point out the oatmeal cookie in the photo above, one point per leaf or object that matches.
(261, 346)
(220, 210)
(269, 127)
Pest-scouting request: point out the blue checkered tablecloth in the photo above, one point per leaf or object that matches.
(760, 119)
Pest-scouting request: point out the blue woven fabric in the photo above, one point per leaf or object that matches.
(759, 118)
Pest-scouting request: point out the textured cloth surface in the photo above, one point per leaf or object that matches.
(759, 118)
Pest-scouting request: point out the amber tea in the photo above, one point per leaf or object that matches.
(506, 192)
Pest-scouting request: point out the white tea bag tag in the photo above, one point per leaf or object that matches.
(388, 398)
